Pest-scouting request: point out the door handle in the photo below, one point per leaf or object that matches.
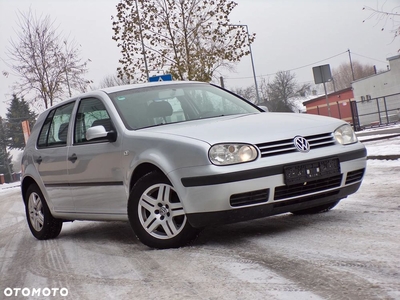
(39, 160)
(73, 158)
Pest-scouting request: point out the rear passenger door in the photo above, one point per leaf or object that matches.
(51, 157)
(95, 174)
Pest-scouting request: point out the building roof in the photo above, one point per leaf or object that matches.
(329, 95)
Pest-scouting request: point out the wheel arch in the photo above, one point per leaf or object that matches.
(142, 170)
(25, 183)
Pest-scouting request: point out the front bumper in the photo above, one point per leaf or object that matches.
(246, 194)
(199, 220)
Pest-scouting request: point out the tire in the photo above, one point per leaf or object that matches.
(316, 209)
(156, 214)
(41, 223)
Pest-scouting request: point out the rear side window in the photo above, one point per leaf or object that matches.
(55, 128)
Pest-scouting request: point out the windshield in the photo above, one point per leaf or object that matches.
(165, 104)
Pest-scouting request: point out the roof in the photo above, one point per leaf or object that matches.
(324, 96)
(142, 85)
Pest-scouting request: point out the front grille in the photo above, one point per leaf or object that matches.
(287, 146)
(249, 198)
(288, 191)
(354, 176)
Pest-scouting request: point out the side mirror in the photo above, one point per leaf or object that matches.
(98, 132)
(264, 108)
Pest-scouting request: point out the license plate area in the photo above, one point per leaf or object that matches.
(302, 173)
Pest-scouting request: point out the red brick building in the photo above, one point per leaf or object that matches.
(339, 104)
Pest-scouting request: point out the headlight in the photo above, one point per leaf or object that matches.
(228, 154)
(345, 135)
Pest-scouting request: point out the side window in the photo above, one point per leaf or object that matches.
(55, 128)
(91, 112)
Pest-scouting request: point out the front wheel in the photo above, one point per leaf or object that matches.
(156, 213)
(41, 223)
(316, 209)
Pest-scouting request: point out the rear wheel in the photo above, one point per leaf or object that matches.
(41, 223)
(156, 213)
(316, 209)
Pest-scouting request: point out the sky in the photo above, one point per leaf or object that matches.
(291, 35)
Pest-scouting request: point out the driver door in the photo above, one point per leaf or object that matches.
(94, 167)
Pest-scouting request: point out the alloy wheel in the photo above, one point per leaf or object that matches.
(160, 212)
(36, 215)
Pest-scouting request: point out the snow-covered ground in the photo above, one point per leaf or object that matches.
(390, 146)
(380, 142)
(7, 186)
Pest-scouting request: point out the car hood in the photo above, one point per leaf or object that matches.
(251, 128)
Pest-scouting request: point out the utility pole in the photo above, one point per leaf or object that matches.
(351, 65)
(252, 61)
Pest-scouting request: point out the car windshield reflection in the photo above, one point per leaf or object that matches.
(161, 105)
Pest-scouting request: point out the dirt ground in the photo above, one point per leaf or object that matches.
(351, 252)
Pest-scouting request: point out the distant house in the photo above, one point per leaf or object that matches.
(378, 96)
(381, 84)
(375, 99)
(339, 105)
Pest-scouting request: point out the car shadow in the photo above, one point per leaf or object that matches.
(99, 231)
(268, 227)
(120, 232)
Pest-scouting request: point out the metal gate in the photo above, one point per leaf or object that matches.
(375, 112)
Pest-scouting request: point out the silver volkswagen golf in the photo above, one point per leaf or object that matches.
(174, 157)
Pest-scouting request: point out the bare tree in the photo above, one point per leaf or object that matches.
(47, 65)
(389, 18)
(343, 74)
(264, 91)
(247, 93)
(282, 91)
(114, 80)
(189, 39)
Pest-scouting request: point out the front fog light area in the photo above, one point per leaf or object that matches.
(345, 135)
(227, 154)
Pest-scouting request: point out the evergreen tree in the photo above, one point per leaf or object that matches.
(17, 112)
(5, 158)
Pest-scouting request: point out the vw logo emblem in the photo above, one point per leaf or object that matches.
(301, 144)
